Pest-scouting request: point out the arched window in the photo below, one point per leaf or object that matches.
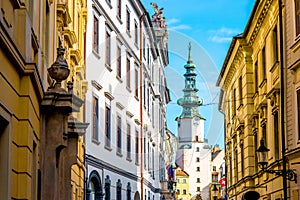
(119, 190)
(107, 188)
(128, 192)
(94, 190)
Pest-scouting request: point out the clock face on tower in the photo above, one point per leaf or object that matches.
(196, 121)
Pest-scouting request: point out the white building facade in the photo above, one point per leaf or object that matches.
(126, 100)
(194, 153)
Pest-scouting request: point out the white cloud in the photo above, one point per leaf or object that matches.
(172, 21)
(180, 27)
(219, 39)
(222, 35)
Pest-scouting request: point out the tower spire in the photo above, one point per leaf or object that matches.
(190, 101)
(190, 54)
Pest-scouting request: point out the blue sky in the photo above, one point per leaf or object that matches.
(209, 26)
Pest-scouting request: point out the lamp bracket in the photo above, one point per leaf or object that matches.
(290, 174)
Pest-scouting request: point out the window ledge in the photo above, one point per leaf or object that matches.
(129, 159)
(136, 45)
(128, 33)
(118, 153)
(107, 148)
(95, 141)
(108, 67)
(96, 54)
(119, 19)
(137, 98)
(119, 79)
(263, 83)
(109, 4)
(128, 88)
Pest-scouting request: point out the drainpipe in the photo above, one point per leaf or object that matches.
(282, 100)
(141, 100)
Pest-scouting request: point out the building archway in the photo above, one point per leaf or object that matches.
(136, 196)
(94, 189)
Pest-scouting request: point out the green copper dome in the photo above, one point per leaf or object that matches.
(190, 100)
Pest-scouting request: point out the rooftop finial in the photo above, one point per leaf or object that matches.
(190, 55)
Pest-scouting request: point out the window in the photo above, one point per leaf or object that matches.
(184, 180)
(298, 112)
(214, 177)
(107, 125)
(145, 148)
(263, 64)
(255, 78)
(119, 8)
(275, 45)
(242, 158)
(128, 141)
(119, 62)
(256, 143)
(95, 119)
(119, 132)
(136, 34)
(198, 189)
(264, 133)
(136, 147)
(241, 90)
(96, 35)
(198, 169)
(214, 168)
(197, 159)
(144, 46)
(119, 190)
(127, 20)
(297, 16)
(178, 191)
(234, 102)
(107, 188)
(198, 180)
(128, 72)
(148, 56)
(197, 149)
(236, 165)
(184, 191)
(136, 81)
(128, 191)
(196, 138)
(107, 48)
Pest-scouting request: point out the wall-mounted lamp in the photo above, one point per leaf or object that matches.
(262, 154)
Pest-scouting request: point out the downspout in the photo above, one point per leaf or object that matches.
(282, 100)
(141, 101)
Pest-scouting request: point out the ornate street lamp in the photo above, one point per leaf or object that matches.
(262, 154)
(215, 192)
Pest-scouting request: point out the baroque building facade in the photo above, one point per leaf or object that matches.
(42, 153)
(193, 154)
(126, 100)
(250, 81)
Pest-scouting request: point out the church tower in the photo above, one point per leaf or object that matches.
(194, 153)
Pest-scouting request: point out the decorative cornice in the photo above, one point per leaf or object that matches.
(96, 85)
(260, 21)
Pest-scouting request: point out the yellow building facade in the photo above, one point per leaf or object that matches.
(30, 33)
(250, 101)
(292, 55)
(182, 185)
